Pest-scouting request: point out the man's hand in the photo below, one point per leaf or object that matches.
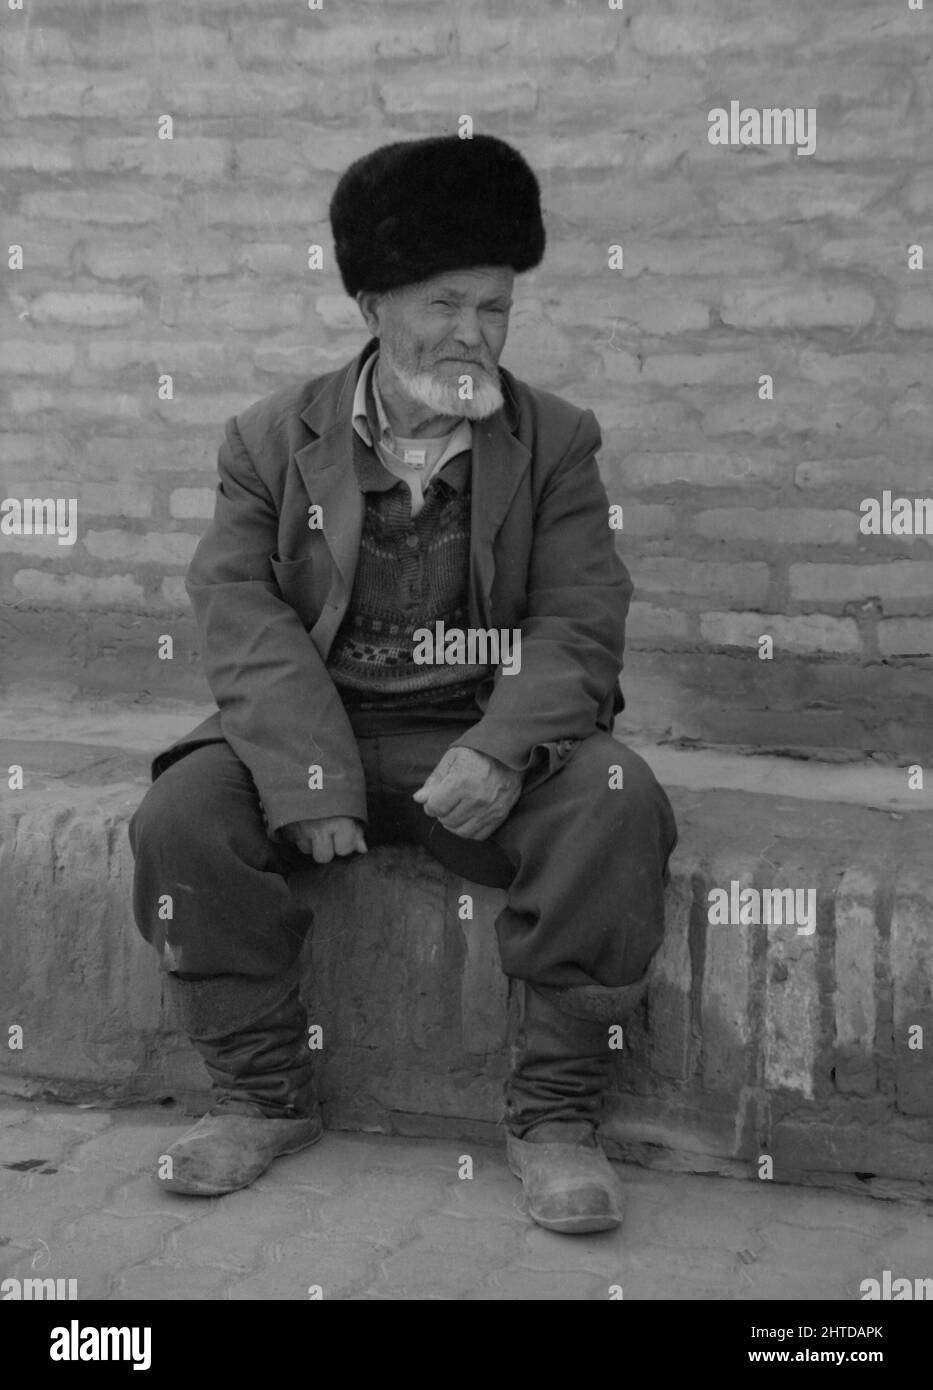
(325, 838)
(470, 793)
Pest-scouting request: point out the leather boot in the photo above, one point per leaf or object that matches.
(252, 1038)
(553, 1099)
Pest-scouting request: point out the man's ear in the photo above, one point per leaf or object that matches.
(368, 302)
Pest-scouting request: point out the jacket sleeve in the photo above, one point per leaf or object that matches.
(573, 634)
(279, 709)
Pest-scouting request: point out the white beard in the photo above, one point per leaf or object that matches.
(443, 398)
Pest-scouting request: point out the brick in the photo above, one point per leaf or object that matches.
(90, 94)
(289, 359)
(727, 1051)
(906, 637)
(25, 358)
(670, 1031)
(276, 257)
(155, 454)
(206, 256)
(173, 593)
(746, 583)
(904, 581)
(35, 44)
(175, 548)
(791, 1034)
(45, 247)
(778, 525)
(691, 255)
(264, 97)
(37, 156)
(677, 310)
(78, 590)
(179, 357)
(912, 417)
(567, 37)
(792, 305)
(337, 310)
(184, 156)
(672, 35)
(646, 622)
(443, 101)
(919, 195)
(858, 474)
(94, 499)
(727, 470)
(668, 199)
(199, 408)
(484, 991)
(87, 403)
(133, 40)
(192, 502)
(913, 310)
(855, 1013)
(912, 987)
(114, 499)
(814, 632)
(683, 369)
(642, 519)
(816, 367)
(108, 208)
(794, 195)
(88, 309)
(846, 415)
(335, 48)
(239, 308)
(40, 451)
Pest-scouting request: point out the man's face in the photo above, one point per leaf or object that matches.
(448, 327)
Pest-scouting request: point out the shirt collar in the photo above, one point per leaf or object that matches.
(371, 422)
(373, 476)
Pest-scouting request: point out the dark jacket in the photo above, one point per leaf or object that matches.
(269, 592)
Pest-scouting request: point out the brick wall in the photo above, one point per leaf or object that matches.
(189, 257)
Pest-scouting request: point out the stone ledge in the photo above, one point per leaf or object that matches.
(752, 1040)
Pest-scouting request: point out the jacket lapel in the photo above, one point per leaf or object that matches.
(326, 468)
(499, 463)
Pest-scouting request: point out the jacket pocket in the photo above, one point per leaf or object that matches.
(304, 584)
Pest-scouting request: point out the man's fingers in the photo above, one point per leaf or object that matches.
(346, 840)
(470, 829)
(322, 848)
(444, 797)
(462, 814)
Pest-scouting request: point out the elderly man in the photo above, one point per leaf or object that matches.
(419, 487)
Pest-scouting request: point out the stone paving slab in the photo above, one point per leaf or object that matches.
(366, 1217)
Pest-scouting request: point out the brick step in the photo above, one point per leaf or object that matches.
(753, 1040)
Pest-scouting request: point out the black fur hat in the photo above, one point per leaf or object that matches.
(416, 208)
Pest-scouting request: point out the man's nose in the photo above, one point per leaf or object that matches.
(468, 329)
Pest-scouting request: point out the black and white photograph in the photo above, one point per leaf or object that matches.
(466, 668)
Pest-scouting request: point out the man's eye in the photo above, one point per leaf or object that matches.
(444, 302)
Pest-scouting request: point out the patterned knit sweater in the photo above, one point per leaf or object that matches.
(411, 573)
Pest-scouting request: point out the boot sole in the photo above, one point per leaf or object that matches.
(570, 1225)
(200, 1189)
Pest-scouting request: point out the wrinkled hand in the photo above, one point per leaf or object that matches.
(470, 793)
(327, 837)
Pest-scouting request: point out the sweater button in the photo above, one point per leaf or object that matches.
(411, 541)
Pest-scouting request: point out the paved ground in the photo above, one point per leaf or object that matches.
(370, 1217)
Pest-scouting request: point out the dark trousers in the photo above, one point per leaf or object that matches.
(584, 865)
